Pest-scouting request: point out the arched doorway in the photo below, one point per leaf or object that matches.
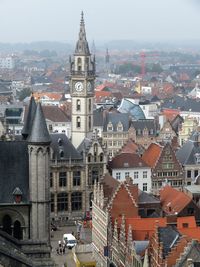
(17, 231)
(7, 224)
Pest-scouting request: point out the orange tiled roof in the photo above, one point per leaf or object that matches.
(53, 96)
(172, 200)
(152, 154)
(170, 114)
(129, 147)
(143, 228)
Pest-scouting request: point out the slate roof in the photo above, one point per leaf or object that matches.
(29, 118)
(115, 118)
(135, 111)
(98, 117)
(39, 132)
(140, 246)
(142, 124)
(147, 198)
(182, 103)
(60, 142)
(169, 237)
(186, 154)
(14, 170)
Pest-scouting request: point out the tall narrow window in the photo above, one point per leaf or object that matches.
(62, 202)
(17, 230)
(62, 179)
(78, 104)
(51, 179)
(52, 202)
(89, 123)
(90, 105)
(79, 62)
(76, 200)
(78, 122)
(76, 178)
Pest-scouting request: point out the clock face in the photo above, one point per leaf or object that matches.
(89, 86)
(79, 86)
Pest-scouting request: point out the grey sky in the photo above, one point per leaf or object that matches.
(58, 20)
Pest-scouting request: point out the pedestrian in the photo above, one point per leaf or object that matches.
(60, 247)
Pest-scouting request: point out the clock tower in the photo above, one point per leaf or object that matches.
(82, 70)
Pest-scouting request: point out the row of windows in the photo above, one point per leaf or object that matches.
(63, 179)
(189, 173)
(115, 135)
(171, 182)
(127, 174)
(78, 122)
(168, 174)
(78, 105)
(63, 203)
(114, 143)
(95, 157)
(168, 166)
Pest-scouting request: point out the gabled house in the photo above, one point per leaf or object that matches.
(189, 156)
(167, 133)
(164, 166)
(175, 202)
(131, 165)
(143, 132)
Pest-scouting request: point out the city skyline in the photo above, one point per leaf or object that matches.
(29, 21)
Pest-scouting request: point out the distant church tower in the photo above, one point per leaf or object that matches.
(82, 68)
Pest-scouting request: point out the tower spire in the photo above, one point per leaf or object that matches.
(82, 44)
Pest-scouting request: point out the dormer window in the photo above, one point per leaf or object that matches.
(17, 193)
(120, 127)
(60, 142)
(110, 127)
(197, 156)
(61, 154)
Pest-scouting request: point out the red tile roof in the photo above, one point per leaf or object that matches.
(152, 154)
(127, 160)
(172, 200)
(129, 147)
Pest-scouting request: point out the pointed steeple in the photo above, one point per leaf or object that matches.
(82, 47)
(39, 133)
(29, 119)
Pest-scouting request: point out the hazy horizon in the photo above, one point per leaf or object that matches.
(26, 21)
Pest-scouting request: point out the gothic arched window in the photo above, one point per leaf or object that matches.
(89, 122)
(90, 105)
(78, 104)
(79, 63)
(78, 122)
(17, 230)
(7, 224)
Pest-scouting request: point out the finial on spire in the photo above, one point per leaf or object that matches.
(82, 17)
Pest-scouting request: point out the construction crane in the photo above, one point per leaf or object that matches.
(143, 56)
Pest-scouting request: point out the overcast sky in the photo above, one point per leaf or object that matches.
(58, 20)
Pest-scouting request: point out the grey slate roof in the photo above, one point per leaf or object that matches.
(142, 124)
(186, 154)
(147, 198)
(115, 118)
(98, 117)
(168, 236)
(182, 103)
(60, 142)
(82, 44)
(14, 170)
(140, 246)
(39, 132)
(29, 119)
